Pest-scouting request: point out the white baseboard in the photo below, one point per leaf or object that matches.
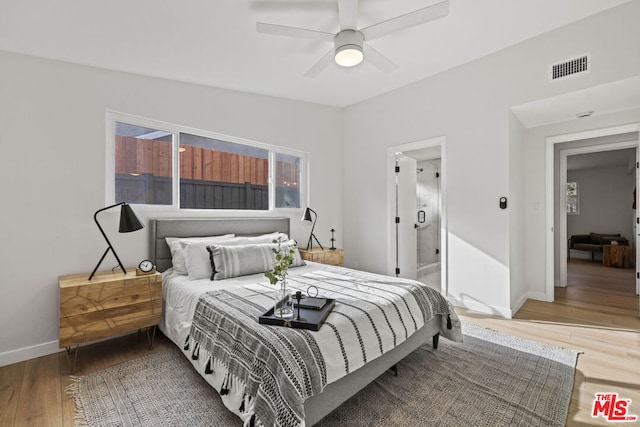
(538, 296)
(499, 311)
(482, 308)
(26, 353)
(519, 304)
(45, 349)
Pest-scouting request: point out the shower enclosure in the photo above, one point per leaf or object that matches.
(428, 216)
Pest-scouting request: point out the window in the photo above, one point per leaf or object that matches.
(217, 174)
(210, 171)
(143, 165)
(573, 205)
(288, 181)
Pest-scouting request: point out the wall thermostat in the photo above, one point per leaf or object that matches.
(503, 203)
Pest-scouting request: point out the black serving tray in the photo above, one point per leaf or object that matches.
(309, 318)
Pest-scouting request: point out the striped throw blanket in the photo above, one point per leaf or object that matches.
(278, 368)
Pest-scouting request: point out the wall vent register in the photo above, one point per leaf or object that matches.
(570, 67)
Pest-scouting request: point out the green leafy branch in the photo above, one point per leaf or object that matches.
(284, 259)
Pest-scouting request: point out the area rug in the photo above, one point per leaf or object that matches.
(491, 379)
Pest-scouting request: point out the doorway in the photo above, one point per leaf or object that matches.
(557, 242)
(417, 212)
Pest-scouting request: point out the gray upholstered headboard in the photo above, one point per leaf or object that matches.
(199, 227)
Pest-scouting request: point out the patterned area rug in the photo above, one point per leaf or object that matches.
(491, 379)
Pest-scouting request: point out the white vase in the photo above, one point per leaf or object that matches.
(283, 307)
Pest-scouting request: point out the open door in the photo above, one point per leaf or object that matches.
(406, 214)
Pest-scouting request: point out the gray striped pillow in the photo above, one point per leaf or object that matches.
(242, 260)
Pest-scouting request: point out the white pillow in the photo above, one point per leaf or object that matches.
(242, 260)
(177, 252)
(253, 240)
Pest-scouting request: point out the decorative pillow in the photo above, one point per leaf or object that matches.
(177, 251)
(197, 260)
(253, 240)
(595, 237)
(242, 260)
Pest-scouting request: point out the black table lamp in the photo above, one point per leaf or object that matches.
(128, 222)
(307, 217)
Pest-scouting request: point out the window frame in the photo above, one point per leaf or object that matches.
(175, 130)
(577, 204)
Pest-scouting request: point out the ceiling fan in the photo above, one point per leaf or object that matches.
(349, 43)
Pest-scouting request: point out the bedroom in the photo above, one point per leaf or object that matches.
(52, 117)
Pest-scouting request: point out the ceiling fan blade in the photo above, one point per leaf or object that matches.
(323, 63)
(281, 30)
(411, 19)
(378, 60)
(289, 5)
(348, 14)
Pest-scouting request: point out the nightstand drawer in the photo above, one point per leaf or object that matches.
(323, 256)
(108, 305)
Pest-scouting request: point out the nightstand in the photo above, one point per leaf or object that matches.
(108, 305)
(324, 256)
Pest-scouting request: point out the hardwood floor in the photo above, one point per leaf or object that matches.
(32, 393)
(597, 314)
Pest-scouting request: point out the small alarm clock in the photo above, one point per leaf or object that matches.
(145, 267)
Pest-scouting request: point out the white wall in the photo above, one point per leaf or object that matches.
(606, 198)
(52, 174)
(470, 106)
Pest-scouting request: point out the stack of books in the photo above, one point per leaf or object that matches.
(311, 303)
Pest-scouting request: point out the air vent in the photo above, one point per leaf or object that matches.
(570, 67)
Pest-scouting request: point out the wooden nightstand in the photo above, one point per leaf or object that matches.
(108, 305)
(324, 256)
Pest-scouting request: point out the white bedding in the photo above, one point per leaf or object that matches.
(181, 298)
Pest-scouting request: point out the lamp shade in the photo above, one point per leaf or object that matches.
(128, 220)
(307, 215)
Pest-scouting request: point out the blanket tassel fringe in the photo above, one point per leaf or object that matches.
(73, 391)
(196, 352)
(226, 385)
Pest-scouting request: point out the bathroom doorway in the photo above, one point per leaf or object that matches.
(417, 212)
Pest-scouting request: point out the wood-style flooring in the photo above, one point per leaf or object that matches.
(597, 314)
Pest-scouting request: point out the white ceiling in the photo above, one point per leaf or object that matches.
(214, 42)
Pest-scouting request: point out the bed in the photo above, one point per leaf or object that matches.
(183, 296)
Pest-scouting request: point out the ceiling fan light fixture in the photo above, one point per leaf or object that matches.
(348, 48)
(349, 55)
